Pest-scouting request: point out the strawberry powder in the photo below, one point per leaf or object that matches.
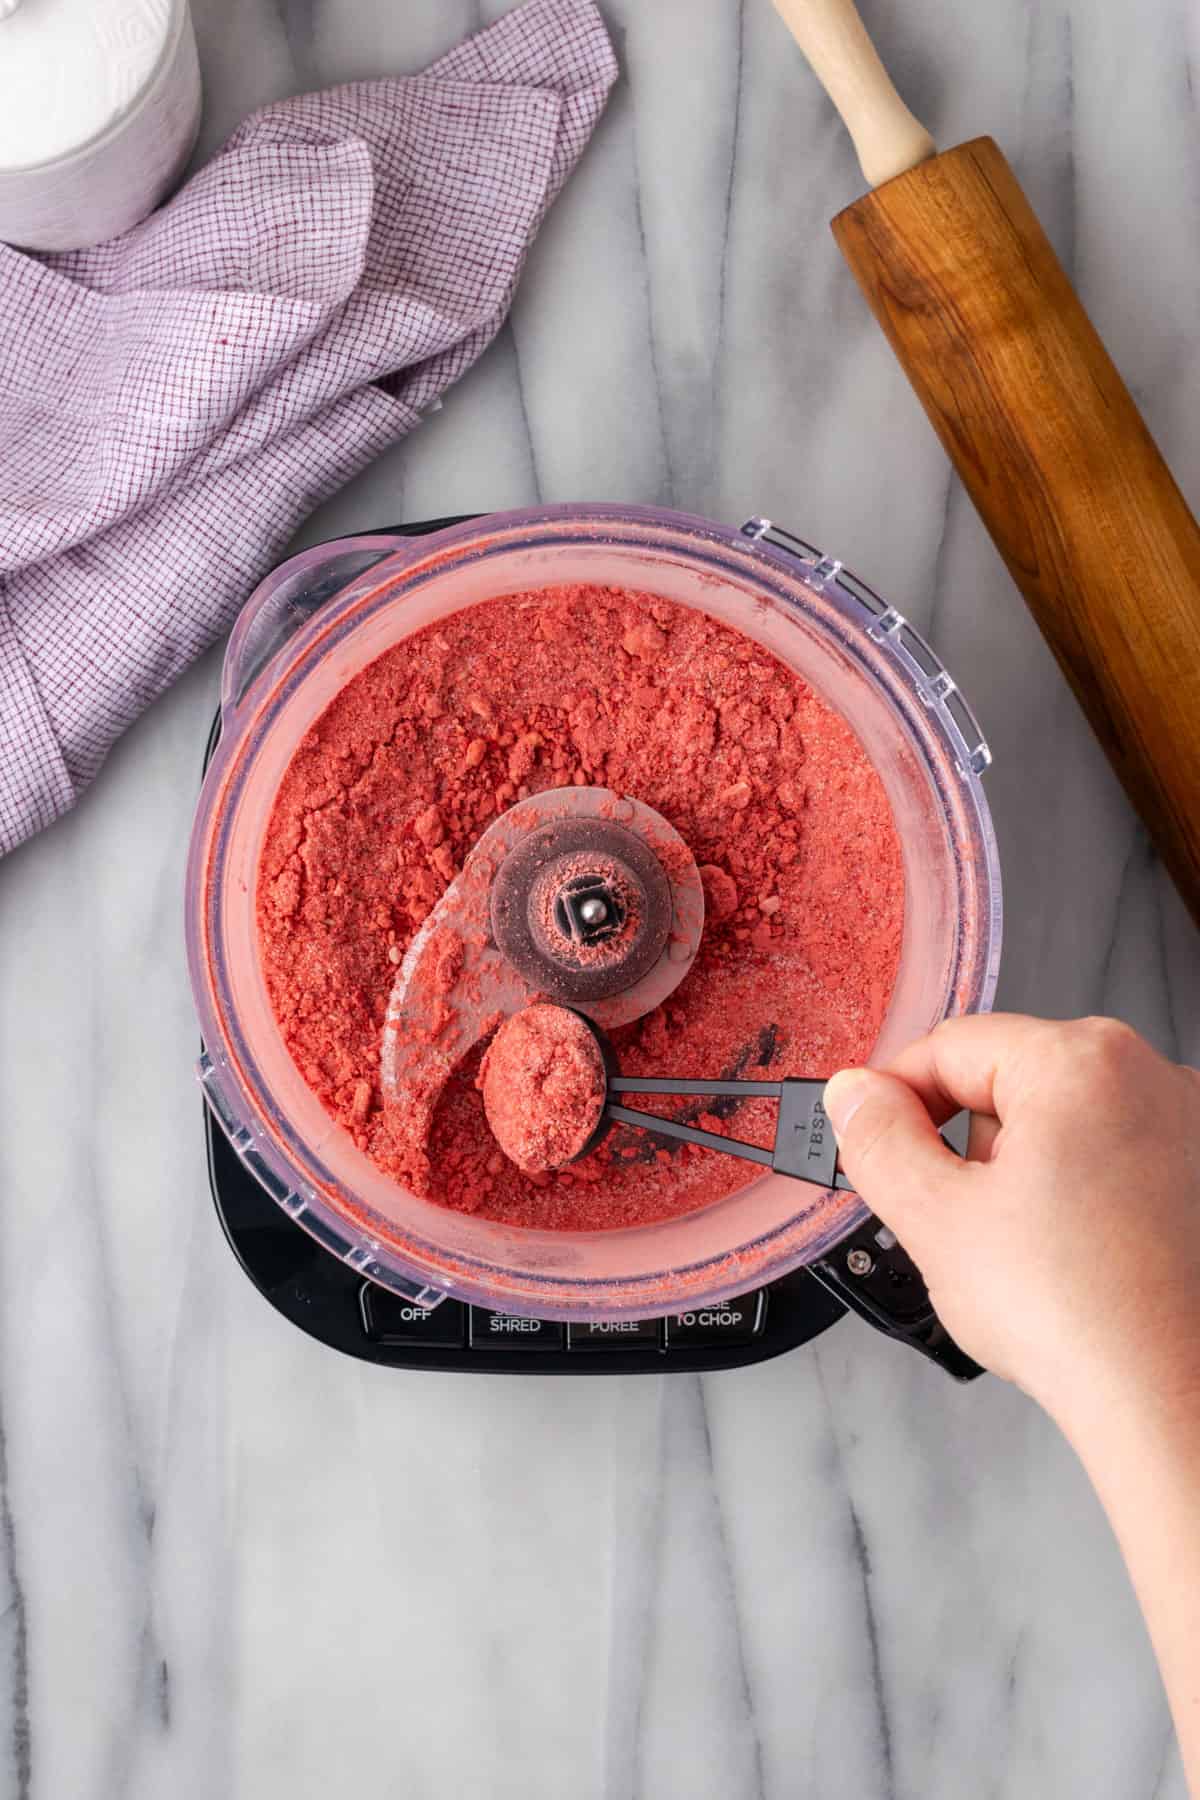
(543, 1085)
(767, 784)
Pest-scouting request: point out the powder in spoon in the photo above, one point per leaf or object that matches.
(543, 1084)
(766, 783)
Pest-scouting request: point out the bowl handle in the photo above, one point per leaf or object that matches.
(286, 599)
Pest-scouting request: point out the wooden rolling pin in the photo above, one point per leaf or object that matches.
(1037, 422)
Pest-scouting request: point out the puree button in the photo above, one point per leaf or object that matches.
(509, 1331)
(387, 1319)
(736, 1322)
(615, 1334)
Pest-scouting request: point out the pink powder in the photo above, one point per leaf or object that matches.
(767, 784)
(543, 1085)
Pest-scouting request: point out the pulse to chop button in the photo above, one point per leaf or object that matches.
(736, 1322)
(389, 1319)
(510, 1331)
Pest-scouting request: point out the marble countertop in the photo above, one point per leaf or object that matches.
(238, 1567)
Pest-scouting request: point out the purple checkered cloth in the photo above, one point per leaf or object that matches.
(173, 403)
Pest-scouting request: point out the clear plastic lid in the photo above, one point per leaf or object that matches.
(297, 645)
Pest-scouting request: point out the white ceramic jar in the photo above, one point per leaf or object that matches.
(99, 110)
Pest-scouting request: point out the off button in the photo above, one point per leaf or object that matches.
(388, 1319)
(736, 1322)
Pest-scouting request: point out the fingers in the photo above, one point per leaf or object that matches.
(975, 1061)
(890, 1147)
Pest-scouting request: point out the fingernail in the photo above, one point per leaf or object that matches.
(844, 1094)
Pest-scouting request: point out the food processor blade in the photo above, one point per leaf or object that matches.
(456, 984)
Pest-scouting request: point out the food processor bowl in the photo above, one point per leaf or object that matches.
(313, 625)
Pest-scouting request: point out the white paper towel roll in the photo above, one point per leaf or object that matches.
(99, 109)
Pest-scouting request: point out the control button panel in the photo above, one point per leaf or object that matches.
(389, 1319)
(509, 1331)
(616, 1334)
(708, 1327)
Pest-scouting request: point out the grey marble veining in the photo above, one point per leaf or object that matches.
(236, 1567)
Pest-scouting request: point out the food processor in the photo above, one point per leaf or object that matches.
(347, 1251)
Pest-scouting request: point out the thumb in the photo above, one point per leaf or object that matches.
(890, 1148)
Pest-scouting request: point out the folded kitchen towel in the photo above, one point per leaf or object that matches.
(174, 402)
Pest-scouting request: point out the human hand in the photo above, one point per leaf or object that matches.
(1064, 1254)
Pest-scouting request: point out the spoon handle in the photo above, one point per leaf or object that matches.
(730, 1090)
